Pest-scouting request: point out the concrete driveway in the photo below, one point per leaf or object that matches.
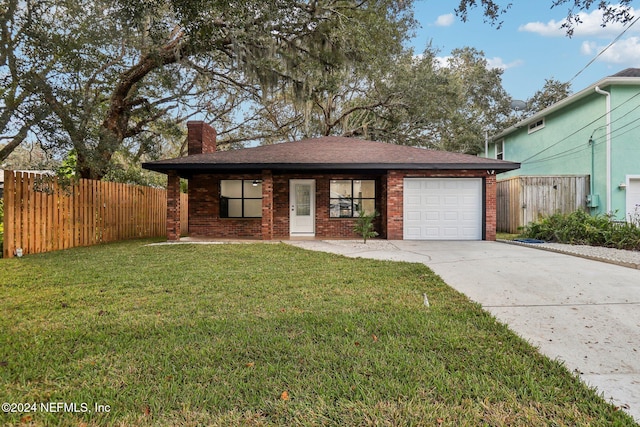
(583, 312)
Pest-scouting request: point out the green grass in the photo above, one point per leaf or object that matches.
(213, 335)
(506, 236)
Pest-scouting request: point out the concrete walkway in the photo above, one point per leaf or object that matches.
(580, 311)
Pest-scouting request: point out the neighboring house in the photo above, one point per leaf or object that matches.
(317, 187)
(593, 133)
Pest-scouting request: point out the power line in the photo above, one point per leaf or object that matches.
(604, 50)
(628, 130)
(580, 148)
(620, 127)
(579, 130)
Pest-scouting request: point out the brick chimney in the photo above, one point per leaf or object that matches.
(201, 138)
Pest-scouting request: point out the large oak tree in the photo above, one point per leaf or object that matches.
(97, 76)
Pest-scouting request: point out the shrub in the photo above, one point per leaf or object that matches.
(580, 228)
(364, 225)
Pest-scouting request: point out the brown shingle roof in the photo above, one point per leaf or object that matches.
(628, 72)
(328, 153)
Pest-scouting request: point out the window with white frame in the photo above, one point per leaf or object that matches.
(240, 198)
(500, 149)
(536, 126)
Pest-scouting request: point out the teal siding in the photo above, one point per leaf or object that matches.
(625, 141)
(562, 146)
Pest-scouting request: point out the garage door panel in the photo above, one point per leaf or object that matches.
(469, 216)
(469, 201)
(432, 216)
(413, 185)
(443, 208)
(414, 216)
(450, 232)
(450, 185)
(430, 185)
(414, 201)
(432, 200)
(431, 232)
(451, 216)
(451, 200)
(413, 233)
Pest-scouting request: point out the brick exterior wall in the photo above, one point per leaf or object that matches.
(395, 209)
(204, 205)
(173, 206)
(201, 138)
(267, 205)
(490, 203)
(204, 210)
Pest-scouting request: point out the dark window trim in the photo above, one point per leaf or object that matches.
(352, 199)
(224, 201)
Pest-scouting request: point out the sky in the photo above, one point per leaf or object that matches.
(530, 46)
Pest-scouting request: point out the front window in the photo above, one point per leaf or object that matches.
(500, 150)
(350, 196)
(240, 198)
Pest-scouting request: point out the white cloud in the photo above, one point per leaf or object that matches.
(445, 20)
(589, 48)
(625, 52)
(590, 26)
(497, 62)
(550, 29)
(443, 61)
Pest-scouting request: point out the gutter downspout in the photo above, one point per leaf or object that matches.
(608, 150)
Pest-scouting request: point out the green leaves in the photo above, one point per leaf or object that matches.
(580, 228)
(364, 225)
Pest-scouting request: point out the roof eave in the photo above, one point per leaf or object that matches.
(607, 81)
(226, 167)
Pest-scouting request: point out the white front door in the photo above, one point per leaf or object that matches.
(302, 207)
(633, 199)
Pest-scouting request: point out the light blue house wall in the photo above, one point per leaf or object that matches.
(574, 138)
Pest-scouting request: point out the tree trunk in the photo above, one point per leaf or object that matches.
(115, 127)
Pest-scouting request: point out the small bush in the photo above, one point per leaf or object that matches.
(580, 228)
(364, 225)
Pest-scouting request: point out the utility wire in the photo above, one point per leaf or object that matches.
(596, 141)
(604, 50)
(579, 130)
(588, 124)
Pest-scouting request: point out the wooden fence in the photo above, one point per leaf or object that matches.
(41, 214)
(524, 199)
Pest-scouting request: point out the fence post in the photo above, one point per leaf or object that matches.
(9, 201)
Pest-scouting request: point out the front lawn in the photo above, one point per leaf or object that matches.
(264, 334)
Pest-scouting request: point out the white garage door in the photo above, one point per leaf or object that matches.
(443, 208)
